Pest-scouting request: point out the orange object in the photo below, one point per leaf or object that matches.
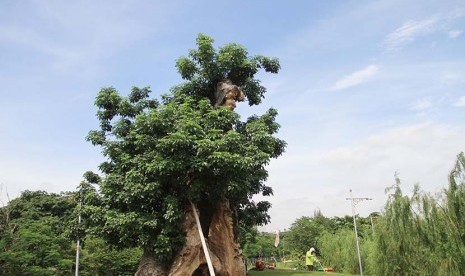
(259, 265)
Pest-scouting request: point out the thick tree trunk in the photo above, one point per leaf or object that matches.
(217, 224)
(149, 267)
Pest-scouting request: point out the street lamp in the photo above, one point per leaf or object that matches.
(78, 246)
(354, 201)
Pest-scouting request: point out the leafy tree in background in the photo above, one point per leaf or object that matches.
(163, 155)
(305, 231)
(339, 250)
(33, 242)
(261, 245)
(39, 239)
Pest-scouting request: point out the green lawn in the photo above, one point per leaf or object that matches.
(282, 272)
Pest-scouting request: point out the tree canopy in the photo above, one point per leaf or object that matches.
(162, 154)
(33, 238)
(37, 238)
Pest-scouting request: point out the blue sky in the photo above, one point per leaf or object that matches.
(367, 88)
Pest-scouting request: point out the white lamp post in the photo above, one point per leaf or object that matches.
(78, 245)
(354, 201)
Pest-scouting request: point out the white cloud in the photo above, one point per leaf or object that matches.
(421, 105)
(454, 33)
(356, 78)
(407, 33)
(460, 102)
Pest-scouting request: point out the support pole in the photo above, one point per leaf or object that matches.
(356, 238)
(354, 202)
(77, 258)
(202, 239)
(78, 246)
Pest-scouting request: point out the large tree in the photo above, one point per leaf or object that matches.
(190, 147)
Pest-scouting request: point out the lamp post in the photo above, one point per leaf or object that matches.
(354, 201)
(78, 246)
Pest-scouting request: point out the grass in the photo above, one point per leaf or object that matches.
(283, 269)
(282, 272)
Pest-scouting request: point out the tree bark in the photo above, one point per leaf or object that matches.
(190, 261)
(149, 267)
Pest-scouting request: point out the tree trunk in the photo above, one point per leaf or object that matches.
(218, 227)
(149, 267)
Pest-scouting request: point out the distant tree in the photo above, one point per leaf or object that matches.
(5, 211)
(39, 239)
(305, 231)
(33, 242)
(190, 147)
(262, 245)
(339, 251)
(346, 222)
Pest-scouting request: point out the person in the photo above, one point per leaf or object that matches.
(310, 259)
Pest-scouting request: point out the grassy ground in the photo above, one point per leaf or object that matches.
(282, 272)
